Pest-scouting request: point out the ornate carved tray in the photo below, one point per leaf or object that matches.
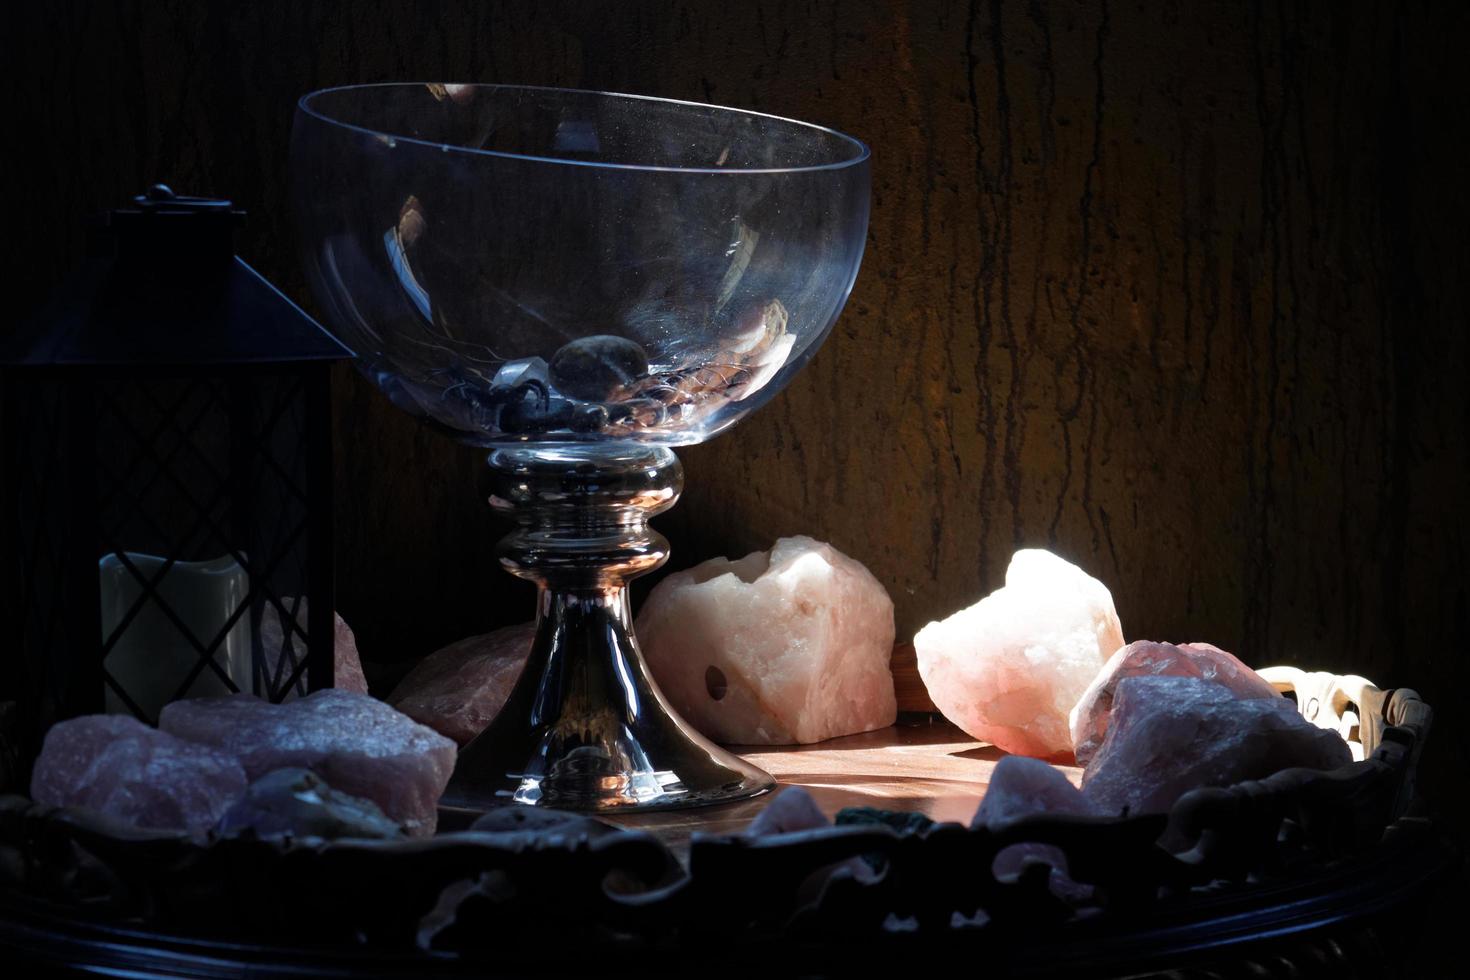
(1299, 849)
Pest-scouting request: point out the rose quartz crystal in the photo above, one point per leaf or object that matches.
(785, 646)
(1008, 669)
(135, 774)
(1169, 735)
(358, 744)
(457, 690)
(347, 667)
(1023, 787)
(791, 810)
(1143, 658)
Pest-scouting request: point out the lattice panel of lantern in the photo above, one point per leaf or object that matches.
(202, 518)
(165, 511)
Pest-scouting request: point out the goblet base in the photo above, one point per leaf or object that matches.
(586, 727)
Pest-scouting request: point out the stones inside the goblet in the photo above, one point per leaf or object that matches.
(522, 371)
(594, 368)
(458, 690)
(411, 223)
(1169, 735)
(136, 774)
(762, 369)
(638, 413)
(756, 330)
(1089, 717)
(588, 418)
(1008, 669)
(359, 745)
(529, 413)
(787, 646)
(299, 803)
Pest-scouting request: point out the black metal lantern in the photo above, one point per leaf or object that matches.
(167, 516)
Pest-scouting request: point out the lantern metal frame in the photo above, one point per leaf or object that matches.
(162, 336)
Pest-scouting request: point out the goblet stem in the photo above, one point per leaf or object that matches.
(585, 727)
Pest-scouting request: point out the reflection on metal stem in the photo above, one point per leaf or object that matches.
(586, 727)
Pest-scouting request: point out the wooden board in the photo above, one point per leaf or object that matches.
(923, 764)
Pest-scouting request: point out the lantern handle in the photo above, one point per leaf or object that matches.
(161, 197)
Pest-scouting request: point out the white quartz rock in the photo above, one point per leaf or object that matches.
(1008, 669)
(1169, 735)
(779, 647)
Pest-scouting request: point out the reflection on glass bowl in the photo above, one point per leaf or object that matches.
(521, 265)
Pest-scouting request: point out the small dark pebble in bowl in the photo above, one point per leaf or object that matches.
(593, 368)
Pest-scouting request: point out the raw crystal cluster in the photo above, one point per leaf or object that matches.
(458, 690)
(359, 745)
(1169, 735)
(347, 672)
(608, 383)
(136, 774)
(779, 647)
(1008, 669)
(1089, 717)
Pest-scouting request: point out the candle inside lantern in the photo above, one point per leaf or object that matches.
(153, 659)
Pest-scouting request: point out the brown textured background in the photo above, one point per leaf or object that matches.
(1175, 289)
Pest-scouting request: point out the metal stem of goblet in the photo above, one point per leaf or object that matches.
(585, 727)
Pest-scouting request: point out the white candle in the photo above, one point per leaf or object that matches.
(153, 657)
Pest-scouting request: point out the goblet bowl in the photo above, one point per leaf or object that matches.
(533, 265)
(577, 281)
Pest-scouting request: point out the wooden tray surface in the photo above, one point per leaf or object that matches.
(923, 764)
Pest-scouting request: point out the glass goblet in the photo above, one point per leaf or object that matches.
(578, 281)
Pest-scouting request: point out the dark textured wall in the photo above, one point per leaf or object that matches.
(1176, 289)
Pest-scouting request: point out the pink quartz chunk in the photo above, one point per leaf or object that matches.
(458, 690)
(1024, 787)
(792, 810)
(358, 744)
(780, 647)
(1008, 669)
(1169, 735)
(347, 672)
(1143, 658)
(1021, 787)
(136, 774)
